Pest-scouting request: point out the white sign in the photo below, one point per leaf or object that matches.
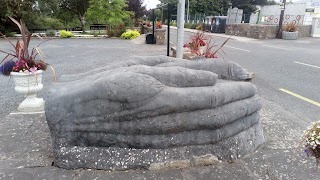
(315, 27)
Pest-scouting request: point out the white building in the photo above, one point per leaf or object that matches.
(297, 11)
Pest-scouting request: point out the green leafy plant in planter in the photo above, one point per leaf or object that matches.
(290, 32)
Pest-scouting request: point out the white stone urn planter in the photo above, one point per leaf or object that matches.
(290, 35)
(29, 84)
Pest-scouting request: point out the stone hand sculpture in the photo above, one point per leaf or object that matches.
(157, 104)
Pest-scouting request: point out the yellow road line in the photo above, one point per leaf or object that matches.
(300, 97)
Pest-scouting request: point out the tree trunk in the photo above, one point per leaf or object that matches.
(83, 23)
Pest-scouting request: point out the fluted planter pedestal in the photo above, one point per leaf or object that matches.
(290, 35)
(29, 84)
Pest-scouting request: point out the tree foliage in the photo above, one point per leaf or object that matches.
(18, 9)
(136, 7)
(75, 8)
(216, 7)
(111, 12)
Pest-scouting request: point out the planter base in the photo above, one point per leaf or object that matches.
(31, 104)
(290, 35)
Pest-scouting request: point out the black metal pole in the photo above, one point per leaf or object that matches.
(279, 32)
(153, 40)
(168, 31)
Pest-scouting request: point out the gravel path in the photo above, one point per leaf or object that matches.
(69, 56)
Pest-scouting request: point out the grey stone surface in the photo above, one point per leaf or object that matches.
(290, 35)
(23, 143)
(71, 56)
(153, 110)
(224, 69)
(278, 159)
(283, 122)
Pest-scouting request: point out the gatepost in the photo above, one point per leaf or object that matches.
(315, 27)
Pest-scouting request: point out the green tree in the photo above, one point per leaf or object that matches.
(48, 7)
(136, 7)
(111, 11)
(216, 7)
(18, 9)
(75, 8)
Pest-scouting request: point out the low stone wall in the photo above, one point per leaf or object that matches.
(260, 31)
(305, 30)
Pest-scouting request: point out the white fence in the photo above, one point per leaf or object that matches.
(271, 14)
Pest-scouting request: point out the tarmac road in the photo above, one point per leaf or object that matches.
(287, 72)
(71, 56)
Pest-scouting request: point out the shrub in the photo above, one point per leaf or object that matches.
(130, 34)
(10, 34)
(190, 26)
(291, 27)
(311, 140)
(66, 34)
(118, 30)
(173, 23)
(50, 33)
(158, 24)
(110, 33)
(48, 22)
(187, 25)
(199, 27)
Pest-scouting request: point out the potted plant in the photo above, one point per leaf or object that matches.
(197, 44)
(311, 140)
(158, 25)
(290, 32)
(203, 47)
(26, 68)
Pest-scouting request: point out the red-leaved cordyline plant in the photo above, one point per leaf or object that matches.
(196, 41)
(209, 53)
(20, 59)
(199, 39)
(158, 24)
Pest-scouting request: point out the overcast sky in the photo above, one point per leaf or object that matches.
(151, 3)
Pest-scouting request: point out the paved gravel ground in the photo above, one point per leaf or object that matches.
(25, 148)
(69, 56)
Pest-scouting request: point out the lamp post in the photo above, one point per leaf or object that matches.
(188, 13)
(282, 7)
(180, 28)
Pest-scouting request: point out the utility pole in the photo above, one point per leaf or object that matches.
(180, 26)
(188, 13)
(283, 7)
(168, 29)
